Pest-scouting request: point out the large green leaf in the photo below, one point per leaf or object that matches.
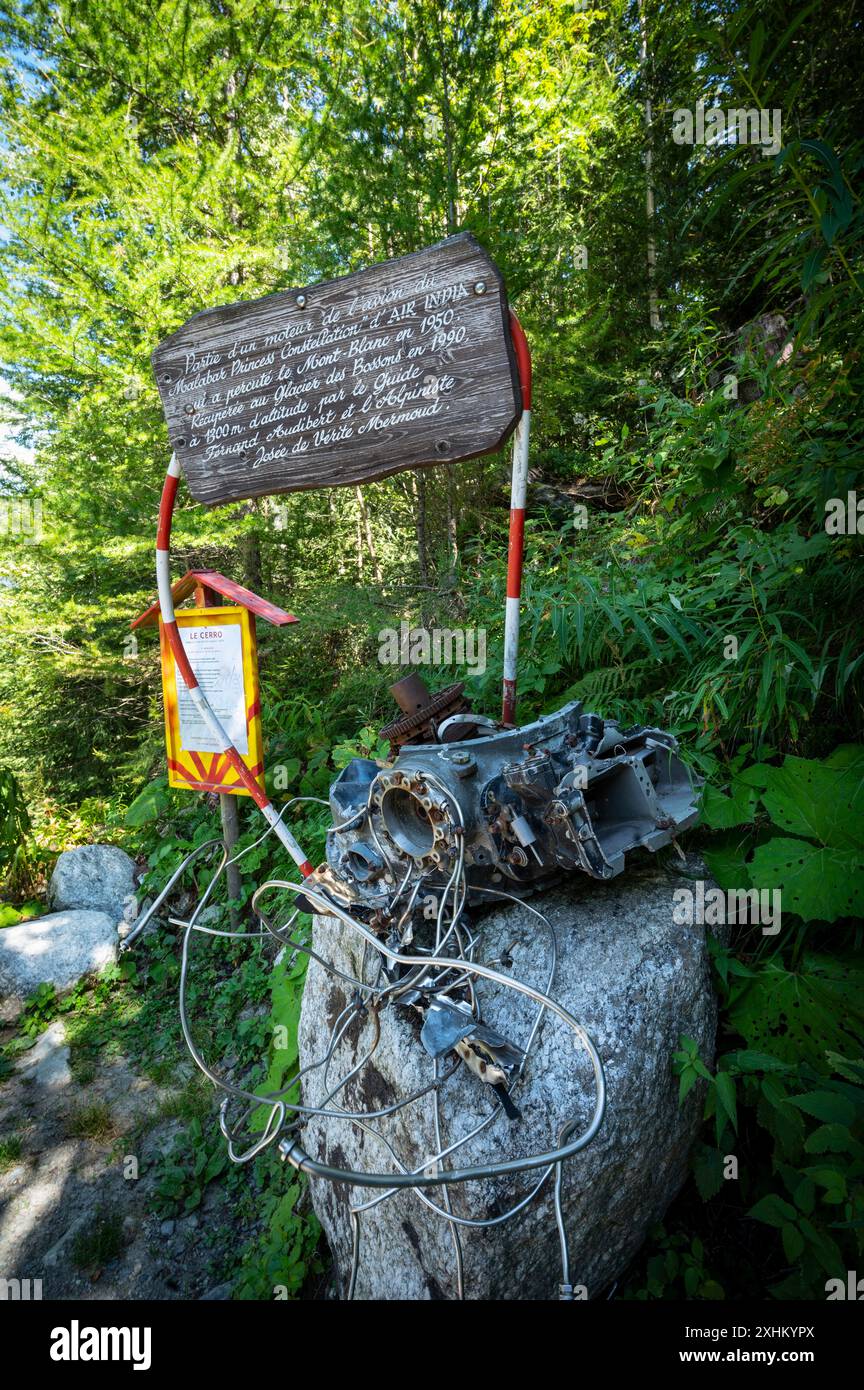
(847, 755)
(818, 884)
(756, 775)
(726, 865)
(708, 1167)
(801, 1015)
(824, 801)
(148, 805)
(826, 1106)
(773, 1210)
(721, 812)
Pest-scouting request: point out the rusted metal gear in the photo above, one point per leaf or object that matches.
(423, 712)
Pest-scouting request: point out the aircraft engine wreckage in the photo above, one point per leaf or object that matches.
(469, 812)
(570, 791)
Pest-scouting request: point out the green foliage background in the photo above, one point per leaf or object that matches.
(161, 156)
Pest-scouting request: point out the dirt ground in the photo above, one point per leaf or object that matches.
(74, 1204)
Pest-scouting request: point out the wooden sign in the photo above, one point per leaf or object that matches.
(221, 646)
(404, 365)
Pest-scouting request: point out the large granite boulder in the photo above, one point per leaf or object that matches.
(98, 878)
(56, 949)
(637, 981)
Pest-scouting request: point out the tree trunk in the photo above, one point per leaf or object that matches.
(335, 532)
(651, 248)
(451, 225)
(446, 124)
(237, 273)
(250, 552)
(452, 532)
(420, 524)
(367, 535)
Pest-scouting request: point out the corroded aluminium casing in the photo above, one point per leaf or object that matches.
(565, 792)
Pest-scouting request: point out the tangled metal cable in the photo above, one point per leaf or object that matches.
(396, 971)
(567, 792)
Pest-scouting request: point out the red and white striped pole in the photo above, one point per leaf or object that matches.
(516, 549)
(172, 632)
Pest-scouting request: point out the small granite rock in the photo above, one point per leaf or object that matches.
(210, 916)
(96, 877)
(58, 1250)
(130, 908)
(56, 949)
(11, 1010)
(129, 912)
(47, 1062)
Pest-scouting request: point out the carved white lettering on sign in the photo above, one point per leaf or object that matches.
(404, 365)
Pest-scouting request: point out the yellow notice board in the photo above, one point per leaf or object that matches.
(222, 650)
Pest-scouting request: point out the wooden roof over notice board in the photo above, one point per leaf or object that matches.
(228, 588)
(404, 365)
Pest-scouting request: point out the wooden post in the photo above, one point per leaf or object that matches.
(228, 810)
(230, 836)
